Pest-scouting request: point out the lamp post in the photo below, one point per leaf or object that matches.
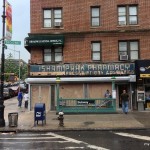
(57, 91)
(2, 121)
(19, 67)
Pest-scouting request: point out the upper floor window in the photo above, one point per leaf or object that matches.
(52, 18)
(53, 54)
(95, 16)
(127, 15)
(96, 51)
(129, 50)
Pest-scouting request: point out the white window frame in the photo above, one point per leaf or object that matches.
(53, 54)
(128, 15)
(95, 16)
(128, 49)
(96, 50)
(52, 17)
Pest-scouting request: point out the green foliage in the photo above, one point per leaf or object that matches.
(12, 66)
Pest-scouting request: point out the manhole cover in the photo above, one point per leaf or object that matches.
(88, 123)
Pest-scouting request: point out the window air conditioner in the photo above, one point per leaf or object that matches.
(123, 57)
(133, 22)
(57, 24)
(122, 23)
(95, 23)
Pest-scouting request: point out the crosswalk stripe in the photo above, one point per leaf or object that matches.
(77, 141)
(27, 138)
(25, 142)
(52, 136)
(147, 138)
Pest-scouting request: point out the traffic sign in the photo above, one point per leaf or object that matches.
(13, 42)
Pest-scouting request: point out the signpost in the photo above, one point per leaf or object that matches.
(13, 42)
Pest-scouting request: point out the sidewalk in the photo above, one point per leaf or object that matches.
(133, 120)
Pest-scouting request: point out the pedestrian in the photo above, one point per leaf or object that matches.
(107, 94)
(108, 102)
(125, 101)
(20, 97)
(26, 98)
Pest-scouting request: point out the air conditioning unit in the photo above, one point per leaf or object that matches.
(57, 24)
(95, 23)
(122, 23)
(133, 22)
(123, 57)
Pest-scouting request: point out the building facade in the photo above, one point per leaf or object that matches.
(90, 45)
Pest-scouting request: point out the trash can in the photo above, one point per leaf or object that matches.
(13, 119)
(39, 113)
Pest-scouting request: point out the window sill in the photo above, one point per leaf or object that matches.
(95, 27)
(122, 26)
(61, 28)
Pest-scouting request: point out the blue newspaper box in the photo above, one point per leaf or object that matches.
(39, 113)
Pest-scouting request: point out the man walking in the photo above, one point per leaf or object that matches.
(125, 101)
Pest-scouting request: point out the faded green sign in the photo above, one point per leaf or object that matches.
(84, 69)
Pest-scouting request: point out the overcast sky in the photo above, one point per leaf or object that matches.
(20, 27)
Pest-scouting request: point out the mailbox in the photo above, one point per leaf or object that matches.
(39, 113)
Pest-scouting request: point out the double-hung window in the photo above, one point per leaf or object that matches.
(53, 54)
(128, 50)
(52, 18)
(96, 51)
(128, 15)
(95, 16)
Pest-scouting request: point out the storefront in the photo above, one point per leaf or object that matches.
(143, 83)
(80, 82)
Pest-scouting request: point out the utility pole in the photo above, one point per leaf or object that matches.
(2, 121)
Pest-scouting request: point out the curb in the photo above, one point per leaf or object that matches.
(71, 129)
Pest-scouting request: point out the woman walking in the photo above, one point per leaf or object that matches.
(20, 97)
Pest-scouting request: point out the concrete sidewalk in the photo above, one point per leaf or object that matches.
(133, 120)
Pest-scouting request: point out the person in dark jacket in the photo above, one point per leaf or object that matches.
(20, 97)
(125, 101)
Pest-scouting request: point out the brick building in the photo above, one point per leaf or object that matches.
(85, 43)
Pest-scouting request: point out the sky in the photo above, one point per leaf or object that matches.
(20, 28)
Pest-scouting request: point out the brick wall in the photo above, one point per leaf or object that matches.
(76, 20)
(76, 15)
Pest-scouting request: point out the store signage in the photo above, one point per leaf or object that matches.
(85, 102)
(142, 68)
(83, 69)
(44, 40)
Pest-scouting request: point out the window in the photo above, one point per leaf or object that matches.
(130, 49)
(95, 16)
(96, 49)
(127, 15)
(52, 18)
(53, 54)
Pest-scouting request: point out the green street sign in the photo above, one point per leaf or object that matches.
(13, 42)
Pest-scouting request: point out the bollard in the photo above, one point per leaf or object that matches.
(61, 119)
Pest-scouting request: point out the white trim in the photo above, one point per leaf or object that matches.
(130, 78)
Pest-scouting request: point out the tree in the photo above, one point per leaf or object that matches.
(12, 66)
